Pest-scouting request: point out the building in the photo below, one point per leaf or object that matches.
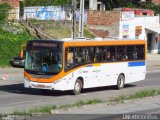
(14, 13)
(141, 24)
(101, 5)
(153, 1)
(156, 1)
(127, 23)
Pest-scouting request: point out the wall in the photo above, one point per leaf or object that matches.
(50, 13)
(44, 13)
(156, 1)
(103, 18)
(14, 13)
(104, 23)
(13, 3)
(145, 22)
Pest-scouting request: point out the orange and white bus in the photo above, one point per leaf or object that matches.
(79, 64)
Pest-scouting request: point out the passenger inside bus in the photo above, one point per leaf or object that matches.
(108, 56)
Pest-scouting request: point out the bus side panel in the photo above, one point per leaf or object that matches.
(104, 74)
(97, 75)
(136, 71)
(113, 71)
(66, 83)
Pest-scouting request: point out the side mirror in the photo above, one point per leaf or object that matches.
(68, 56)
(21, 54)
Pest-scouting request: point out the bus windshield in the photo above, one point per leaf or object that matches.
(43, 58)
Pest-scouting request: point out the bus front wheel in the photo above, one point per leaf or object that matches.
(120, 81)
(77, 87)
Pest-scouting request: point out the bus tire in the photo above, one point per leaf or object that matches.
(120, 81)
(77, 87)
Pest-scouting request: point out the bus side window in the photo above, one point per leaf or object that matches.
(131, 52)
(113, 55)
(122, 53)
(101, 54)
(69, 61)
(93, 54)
(140, 52)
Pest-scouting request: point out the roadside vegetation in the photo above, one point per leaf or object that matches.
(13, 35)
(4, 8)
(11, 39)
(112, 101)
(59, 29)
(48, 108)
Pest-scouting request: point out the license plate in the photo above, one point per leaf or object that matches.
(40, 86)
(16, 62)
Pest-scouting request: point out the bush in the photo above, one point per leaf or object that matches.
(4, 9)
(10, 45)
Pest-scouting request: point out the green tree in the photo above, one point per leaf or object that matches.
(46, 2)
(4, 9)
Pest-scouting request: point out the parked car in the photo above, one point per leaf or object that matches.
(17, 61)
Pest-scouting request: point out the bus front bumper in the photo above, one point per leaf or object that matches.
(58, 85)
(31, 84)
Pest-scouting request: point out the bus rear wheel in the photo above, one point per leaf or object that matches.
(120, 81)
(77, 87)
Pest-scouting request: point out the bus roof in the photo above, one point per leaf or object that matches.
(89, 40)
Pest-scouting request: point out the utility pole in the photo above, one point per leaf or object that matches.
(73, 8)
(81, 19)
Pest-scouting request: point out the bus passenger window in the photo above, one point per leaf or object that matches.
(69, 61)
(140, 52)
(113, 55)
(108, 56)
(113, 58)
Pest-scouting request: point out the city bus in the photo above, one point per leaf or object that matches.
(83, 63)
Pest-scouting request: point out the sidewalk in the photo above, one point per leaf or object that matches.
(11, 76)
(15, 75)
(153, 62)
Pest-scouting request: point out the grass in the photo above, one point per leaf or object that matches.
(48, 108)
(140, 94)
(119, 99)
(61, 29)
(43, 109)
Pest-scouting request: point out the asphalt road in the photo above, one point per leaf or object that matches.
(131, 116)
(14, 97)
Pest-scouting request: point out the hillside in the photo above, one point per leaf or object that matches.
(13, 35)
(60, 29)
(11, 38)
